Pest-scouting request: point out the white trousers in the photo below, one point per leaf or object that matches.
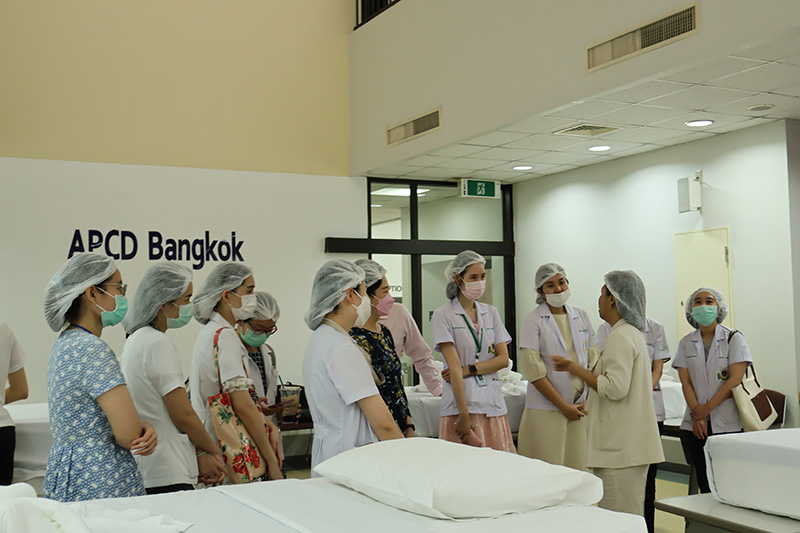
(623, 488)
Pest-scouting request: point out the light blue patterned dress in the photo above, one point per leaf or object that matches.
(85, 462)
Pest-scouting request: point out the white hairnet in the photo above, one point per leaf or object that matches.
(79, 273)
(224, 277)
(373, 271)
(628, 289)
(161, 283)
(721, 302)
(545, 272)
(458, 266)
(266, 307)
(330, 285)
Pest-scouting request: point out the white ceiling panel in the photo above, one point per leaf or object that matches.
(639, 149)
(540, 125)
(746, 123)
(645, 91)
(537, 167)
(560, 158)
(679, 127)
(506, 154)
(639, 115)
(467, 163)
(524, 177)
(494, 175)
(644, 134)
(694, 136)
(425, 160)
(790, 113)
(699, 97)
(458, 150)
(496, 138)
(781, 103)
(437, 173)
(792, 60)
(777, 49)
(544, 142)
(716, 69)
(391, 171)
(616, 146)
(761, 79)
(557, 169)
(586, 110)
(794, 90)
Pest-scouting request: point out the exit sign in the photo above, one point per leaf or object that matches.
(479, 188)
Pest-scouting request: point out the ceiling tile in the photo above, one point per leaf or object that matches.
(560, 158)
(540, 124)
(438, 173)
(778, 49)
(746, 123)
(465, 163)
(639, 149)
(678, 124)
(425, 160)
(559, 169)
(761, 79)
(494, 175)
(715, 69)
(645, 91)
(524, 177)
(640, 115)
(616, 146)
(699, 97)
(781, 103)
(793, 90)
(544, 142)
(792, 60)
(694, 136)
(790, 113)
(585, 110)
(645, 134)
(537, 167)
(506, 154)
(458, 150)
(391, 171)
(496, 138)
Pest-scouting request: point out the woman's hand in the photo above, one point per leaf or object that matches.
(274, 473)
(562, 364)
(573, 411)
(463, 425)
(146, 444)
(409, 433)
(699, 429)
(210, 469)
(274, 439)
(263, 403)
(700, 412)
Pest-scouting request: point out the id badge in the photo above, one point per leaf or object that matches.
(482, 382)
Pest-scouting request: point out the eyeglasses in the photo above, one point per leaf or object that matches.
(121, 287)
(270, 331)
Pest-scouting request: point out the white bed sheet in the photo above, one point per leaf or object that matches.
(309, 506)
(34, 441)
(757, 470)
(674, 402)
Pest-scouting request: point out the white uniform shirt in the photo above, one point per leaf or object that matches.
(540, 332)
(152, 370)
(657, 348)
(203, 381)
(336, 375)
(708, 376)
(12, 359)
(447, 324)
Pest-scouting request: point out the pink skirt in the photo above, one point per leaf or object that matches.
(489, 432)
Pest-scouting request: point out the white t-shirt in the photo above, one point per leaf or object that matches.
(152, 370)
(12, 359)
(337, 375)
(203, 381)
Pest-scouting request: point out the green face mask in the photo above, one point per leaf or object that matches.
(705, 315)
(254, 339)
(185, 313)
(112, 318)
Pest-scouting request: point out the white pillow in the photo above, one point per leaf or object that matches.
(443, 479)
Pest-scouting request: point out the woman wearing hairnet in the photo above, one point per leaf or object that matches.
(345, 404)
(93, 421)
(225, 300)
(376, 340)
(710, 362)
(552, 427)
(473, 341)
(623, 438)
(152, 369)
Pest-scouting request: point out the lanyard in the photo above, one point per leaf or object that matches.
(478, 343)
(83, 328)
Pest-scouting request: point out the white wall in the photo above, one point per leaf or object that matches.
(282, 224)
(483, 62)
(623, 214)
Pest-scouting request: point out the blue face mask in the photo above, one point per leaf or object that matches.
(115, 316)
(705, 315)
(185, 313)
(254, 339)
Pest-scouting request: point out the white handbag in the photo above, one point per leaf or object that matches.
(755, 409)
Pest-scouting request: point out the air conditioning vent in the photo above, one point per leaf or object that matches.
(413, 128)
(586, 130)
(662, 31)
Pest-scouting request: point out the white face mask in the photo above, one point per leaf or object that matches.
(248, 308)
(364, 310)
(557, 300)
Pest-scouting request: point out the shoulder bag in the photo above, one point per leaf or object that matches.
(755, 409)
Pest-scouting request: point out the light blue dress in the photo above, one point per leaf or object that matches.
(85, 462)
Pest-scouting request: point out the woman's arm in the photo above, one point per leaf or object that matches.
(254, 423)
(126, 425)
(463, 425)
(563, 364)
(569, 410)
(688, 390)
(379, 417)
(186, 420)
(735, 374)
(17, 386)
(657, 368)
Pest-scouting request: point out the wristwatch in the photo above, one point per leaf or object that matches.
(473, 370)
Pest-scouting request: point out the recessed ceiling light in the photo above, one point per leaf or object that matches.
(600, 148)
(376, 205)
(522, 167)
(699, 123)
(761, 107)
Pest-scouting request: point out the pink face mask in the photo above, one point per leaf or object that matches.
(385, 305)
(474, 289)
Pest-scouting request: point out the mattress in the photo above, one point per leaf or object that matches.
(757, 470)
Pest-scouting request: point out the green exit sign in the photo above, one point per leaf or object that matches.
(479, 188)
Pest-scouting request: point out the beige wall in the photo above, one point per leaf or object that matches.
(246, 85)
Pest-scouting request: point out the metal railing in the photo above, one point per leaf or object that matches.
(367, 10)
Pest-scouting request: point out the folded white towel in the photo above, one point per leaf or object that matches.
(17, 490)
